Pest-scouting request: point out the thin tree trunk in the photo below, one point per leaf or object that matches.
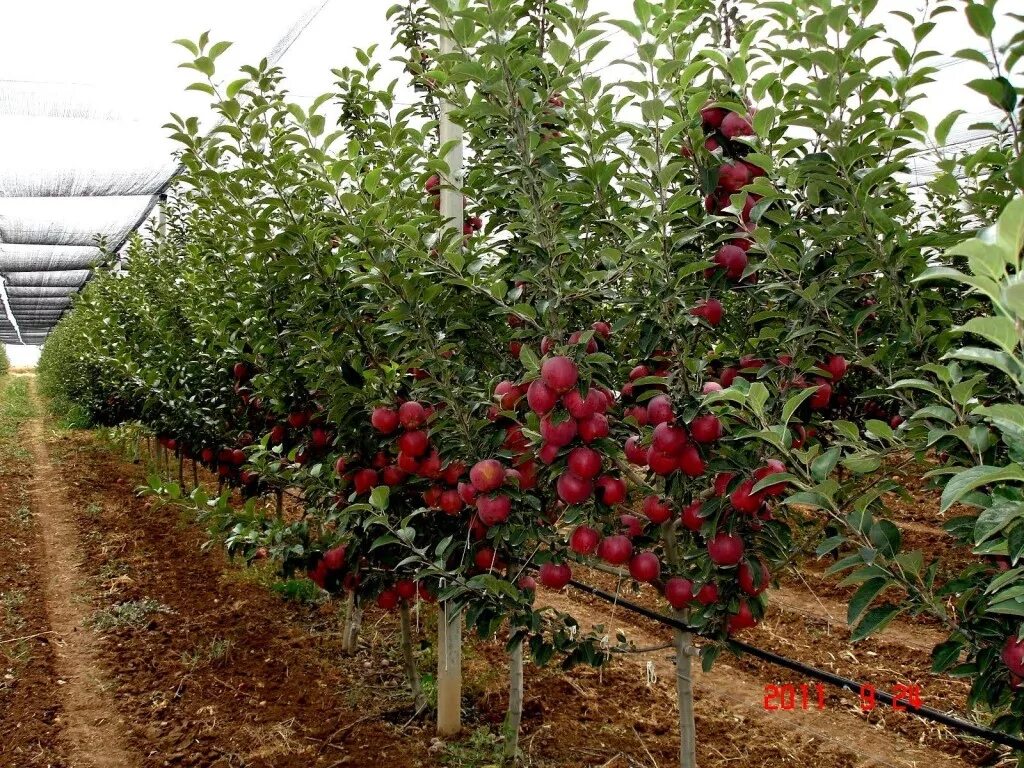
(353, 621)
(514, 717)
(411, 671)
(195, 473)
(449, 671)
(181, 473)
(280, 503)
(684, 696)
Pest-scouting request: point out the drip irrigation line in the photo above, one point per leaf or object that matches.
(821, 675)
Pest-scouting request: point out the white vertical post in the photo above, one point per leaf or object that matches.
(449, 624)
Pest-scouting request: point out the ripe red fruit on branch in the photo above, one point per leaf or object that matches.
(636, 453)
(668, 438)
(540, 397)
(742, 619)
(678, 592)
(639, 372)
(584, 540)
(340, 466)
(493, 510)
(413, 443)
(406, 589)
(706, 429)
(319, 438)
(298, 419)
(365, 480)
(467, 493)
(708, 594)
(334, 558)
(615, 550)
(207, 455)
(691, 517)
(747, 578)
(744, 500)
(584, 462)
(559, 373)
(408, 463)
(690, 462)
(820, 399)
(836, 365)
(658, 510)
(487, 475)
(572, 489)
(645, 567)
(450, 502)
(732, 177)
(508, 394)
(557, 433)
(611, 490)
(631, 526)
(771, 467)
(433, 185)
(709, 309)
(602, 329)
(577, 405)
(241, 371)
(554, 575)
(712, 117)
(725, 549)
(412, 415)
(732, 259)
(238, 457)
(577, 336)
(1013, 655)
(387, 599)
(393, 475)
(735, 125)
(659, 410)
(548, 453)
(384, 420)
(278, 434)
(594, 427)
(485, 559)
(662, 463)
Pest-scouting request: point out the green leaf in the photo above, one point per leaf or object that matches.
(822, 466)
(994, 519)
(1001, 331)
(379, 497)
(863, 597)
(874, 621)
(794, 402)
(1000, 360)
(999, 91)
(886, 538)
(964, 482)
(945, 655)
(981, 19)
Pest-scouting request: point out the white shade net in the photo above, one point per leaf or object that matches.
(83, 164)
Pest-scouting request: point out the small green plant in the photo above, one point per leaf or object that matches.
(133, 613)
(299, 591)
(482, 748)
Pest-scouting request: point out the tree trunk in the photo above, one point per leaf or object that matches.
(684, 696)
(514, 717)
(411, 670)
(449, 671)
(181, 473)
(280, 503)
(353, 621)
(195, 473)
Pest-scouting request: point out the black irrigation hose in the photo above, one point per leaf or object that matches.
(818, 674)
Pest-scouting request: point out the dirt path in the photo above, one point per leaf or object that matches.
(95, 734)
(727, 686)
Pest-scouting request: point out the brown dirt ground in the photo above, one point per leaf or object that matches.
(224, 673)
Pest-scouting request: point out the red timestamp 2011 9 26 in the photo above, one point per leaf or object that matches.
(791, 697)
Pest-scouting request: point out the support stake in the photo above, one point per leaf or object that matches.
(514, 717)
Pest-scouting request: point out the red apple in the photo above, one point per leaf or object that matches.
(709, 309)
(836, 365)
(744, 500)
(732, 259)
(668, 438)
(615, 550)
(487, 475)
(691, 462)
(584, 540)
(554, 575)
(1013, 655)
(365, 480)
(645, 567)
(735, 125)
(706, 429)
(725, 549)
(712, 117)
(594, 427)
(393, 475)
(732, 177)
(750, 583)
(558, 433)
(559, 373)
(584, 462)
(413, 443)
(384, 420)
(408, 463)
(493, 510)
(820, 399)
(659, 410)
(636, 453)
(387, 599)
(742, 619)
(412, 415)
(691, 517)
(611, 490)
(540, 397)
(678, 592)
(508, 394)
(657, 509)
(632, 527)
(572, 489)
(450, 502)
(708, 594)
(771, 467)
(406, 589)
(663, 464)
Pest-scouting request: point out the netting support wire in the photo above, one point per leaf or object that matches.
(817, 674)
(7, 308)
